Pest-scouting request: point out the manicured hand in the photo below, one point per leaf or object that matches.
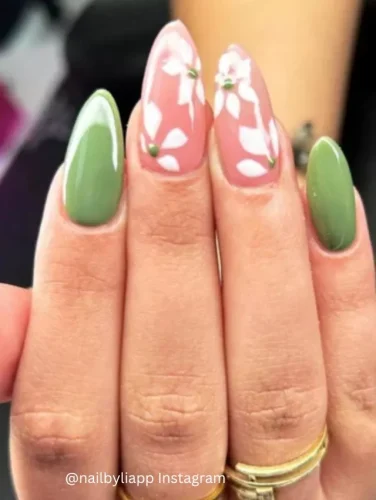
(134, 335)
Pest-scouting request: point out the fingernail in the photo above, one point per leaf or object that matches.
(173, 122)
(94, 163)
(245, 127)
(330, 195)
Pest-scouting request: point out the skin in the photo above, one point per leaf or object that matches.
(289, 364)
(292, 42)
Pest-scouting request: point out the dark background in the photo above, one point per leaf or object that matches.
(108, 47)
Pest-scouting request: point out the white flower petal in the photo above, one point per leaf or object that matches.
(198, 64)
(169, 163)
(225, 64)
(229, 61)
(219, 102)
(171, 40)
(274, 137)
(173, 66)
(200, 91)
(186, 90)
(247, 92)
(233, 105)
(243, 70)
(191, 111)
(251, 168)
(185, 51)
(176, 138)
(252, 141)
(219, 79)
(152, 119)
(143, 143)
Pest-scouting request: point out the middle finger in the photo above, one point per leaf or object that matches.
(173, 383)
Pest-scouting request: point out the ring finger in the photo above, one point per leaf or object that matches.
(276, 378)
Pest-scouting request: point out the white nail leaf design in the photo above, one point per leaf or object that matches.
(176, 138)
(219, 102)
(152, 119)
(185, 50)
(228, 60)
(224, 63)
(169, 163)
(274, 136)
(251, 168)
(143, 143)
(247, 92)
(198, 64)
(233, 105)
(191, 110)
(186, 90)
(200, 92)
(252, 141)
(243, 70)
(173, 66)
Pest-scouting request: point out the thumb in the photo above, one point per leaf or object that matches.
(14, 316)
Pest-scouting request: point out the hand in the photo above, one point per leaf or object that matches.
(127, 312)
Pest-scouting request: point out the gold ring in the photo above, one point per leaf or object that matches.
(259, 483)
(213, 495)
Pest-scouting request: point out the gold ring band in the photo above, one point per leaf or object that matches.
(259, 483)
(213, 495)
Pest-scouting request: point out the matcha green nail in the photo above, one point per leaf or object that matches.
(331, 195)
(94, 163)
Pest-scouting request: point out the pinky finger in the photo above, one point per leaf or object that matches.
(343, 274)
(14, 317)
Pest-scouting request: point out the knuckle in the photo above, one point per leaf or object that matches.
(168, 419)
(69, 275)
(350, 298)
(177, 223)
(360, 393)
(282, 413)
(51, 439)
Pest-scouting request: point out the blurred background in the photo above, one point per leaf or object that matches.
(316, 57)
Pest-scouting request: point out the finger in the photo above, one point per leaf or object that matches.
(343, 272)
(276, 379)
(173, 394)
(64, 413)
(14, 317)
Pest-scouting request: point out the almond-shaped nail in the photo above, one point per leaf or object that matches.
(330, 194)
(245, 127)
(94, 163)
(173, 119)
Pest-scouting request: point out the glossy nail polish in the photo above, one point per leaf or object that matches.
(173, 119)
(94, 163)
(331, 196)
(245, 127)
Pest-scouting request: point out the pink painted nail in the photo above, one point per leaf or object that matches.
(245, 127)
(173, 123)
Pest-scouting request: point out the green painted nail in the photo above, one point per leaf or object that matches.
(94, 163)
(331, 195)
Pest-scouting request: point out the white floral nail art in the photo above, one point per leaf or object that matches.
(167, 130)
(233, 70)
(234, 91)
(187, 66)
(175, 139)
